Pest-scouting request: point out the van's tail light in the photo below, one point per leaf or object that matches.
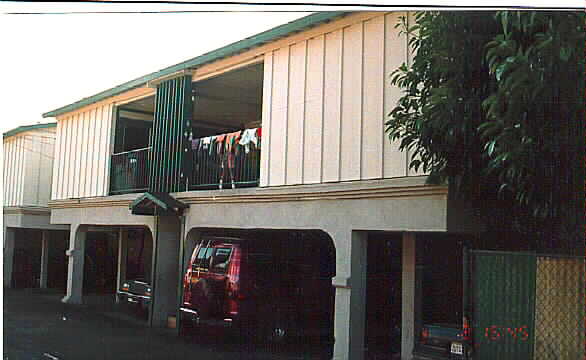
(424, 334)
(467, 331)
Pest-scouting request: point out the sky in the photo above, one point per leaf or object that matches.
(52, 60)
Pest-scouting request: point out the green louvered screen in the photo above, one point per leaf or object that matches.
(503, 286)
(173, 116)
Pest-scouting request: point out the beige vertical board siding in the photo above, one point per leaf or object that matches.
(99, 146)
(91, 156)
(278, 148)
(46, 167)
(351, 129)
(9, 146)
(108, 122)
(18, 167)
(66, 179)
(72, 167)
(14, 178)
(11, 169)
(32, 164)
(332, 92)
(296, 112)
(21, 169)
(266, 119)
(372, 111)
(56, 162)
(6, 149)
(83, 152)
(394, 161)
(314, 102)
(5, 171)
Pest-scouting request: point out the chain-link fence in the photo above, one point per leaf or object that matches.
(559, 308)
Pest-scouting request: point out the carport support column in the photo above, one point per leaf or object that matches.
(350, 284)
(76, 254)
(411, 299)
(122, 258)
(9, 237)
(44, 258)
(166, 269)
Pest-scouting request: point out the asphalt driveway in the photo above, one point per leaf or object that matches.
(37, 326)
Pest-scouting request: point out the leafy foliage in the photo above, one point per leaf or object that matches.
(493, 103)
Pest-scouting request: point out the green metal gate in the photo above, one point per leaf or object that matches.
(526, 306)
(173, 116)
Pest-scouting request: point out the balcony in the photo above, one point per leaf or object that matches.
(129, 171)
(205, 168)
(227, 170)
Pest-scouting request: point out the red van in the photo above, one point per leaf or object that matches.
(255, 289)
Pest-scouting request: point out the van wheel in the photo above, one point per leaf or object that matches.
(188, 326)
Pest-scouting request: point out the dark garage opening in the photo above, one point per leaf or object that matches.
(288, 281)
(57, 262)
(101, 263)
(26, 267)
(139, 255)
(383, 295)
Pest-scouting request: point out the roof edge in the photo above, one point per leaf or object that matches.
(25, 128)
(225, 51)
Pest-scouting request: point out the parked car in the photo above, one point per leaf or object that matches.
(239, 284)
(136, 293)
(443, 342)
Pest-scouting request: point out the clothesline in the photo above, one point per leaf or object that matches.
(227, 142)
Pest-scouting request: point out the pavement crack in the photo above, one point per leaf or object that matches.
(50, 356)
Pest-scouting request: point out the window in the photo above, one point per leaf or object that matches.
(220, 259)
(202, 261)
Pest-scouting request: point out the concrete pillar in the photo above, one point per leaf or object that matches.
(122, 258)
(76, 254)
(9, 238)
(411, 299)
(350, 303)
(44, 259)
(165, 269)
(192, 239)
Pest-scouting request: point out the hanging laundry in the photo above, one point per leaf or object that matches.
(220, 143)
(195, 144)
(248, 137)
(232, 139)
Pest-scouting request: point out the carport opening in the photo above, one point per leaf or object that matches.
(26, 267)
(100, 265)
(287, 279)
(139, 255)
(383, 295)
(57, 261)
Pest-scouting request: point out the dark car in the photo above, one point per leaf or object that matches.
(135, 293)
(237, 284)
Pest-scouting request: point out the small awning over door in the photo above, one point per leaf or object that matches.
(157, 204)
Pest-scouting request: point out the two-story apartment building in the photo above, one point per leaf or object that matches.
(280, 131)
(33, 247)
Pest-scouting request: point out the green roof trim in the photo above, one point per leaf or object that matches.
(228, 50)
(157, 203)
(24, 128)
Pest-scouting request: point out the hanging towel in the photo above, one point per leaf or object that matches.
(232, 139)
(248, 137)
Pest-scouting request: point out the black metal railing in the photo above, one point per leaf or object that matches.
(129, 171)
(224, 170)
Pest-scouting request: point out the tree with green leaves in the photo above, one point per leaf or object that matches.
(493, 104)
